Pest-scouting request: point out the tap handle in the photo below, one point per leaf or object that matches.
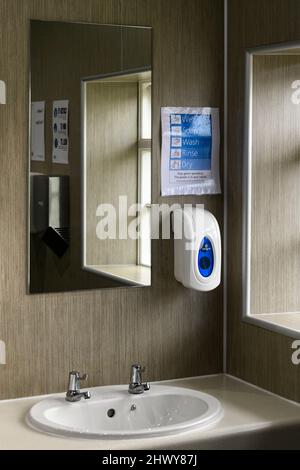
(138, 367)
(145, 385)
(136, 373)
(83, 378)
(74, 380)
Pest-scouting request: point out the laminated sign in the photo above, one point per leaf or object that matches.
(190, 151)
(37, 133)
(60, 129)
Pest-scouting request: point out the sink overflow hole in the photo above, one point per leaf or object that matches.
(111, 413)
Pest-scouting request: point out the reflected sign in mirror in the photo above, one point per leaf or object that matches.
(90, 157)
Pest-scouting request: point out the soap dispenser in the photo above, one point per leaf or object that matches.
(197, 248)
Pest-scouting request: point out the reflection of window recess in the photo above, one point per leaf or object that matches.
(131, 273)
(117, 162)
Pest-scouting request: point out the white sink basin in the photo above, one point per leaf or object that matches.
(162, 410)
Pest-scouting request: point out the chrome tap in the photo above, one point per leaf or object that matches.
(74, 394)
(136, 386)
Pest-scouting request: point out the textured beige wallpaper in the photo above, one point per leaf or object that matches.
(175, 332)
(254, 354)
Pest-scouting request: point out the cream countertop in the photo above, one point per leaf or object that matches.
(253, 418)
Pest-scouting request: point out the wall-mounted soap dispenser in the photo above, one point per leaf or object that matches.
(197, 249)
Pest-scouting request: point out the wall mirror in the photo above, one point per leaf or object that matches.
(272, 188)
(90, 156)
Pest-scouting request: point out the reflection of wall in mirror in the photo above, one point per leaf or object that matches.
(111, 128)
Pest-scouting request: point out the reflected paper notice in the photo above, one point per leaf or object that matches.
(60, 128)
(38, 131)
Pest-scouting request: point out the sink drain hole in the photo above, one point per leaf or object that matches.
(111, 413)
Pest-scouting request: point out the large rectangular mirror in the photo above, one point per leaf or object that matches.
(272, 188)
(90, 156)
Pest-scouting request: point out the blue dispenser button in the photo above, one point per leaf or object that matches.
(206, 258)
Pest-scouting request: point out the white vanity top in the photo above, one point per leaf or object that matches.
(246, 409)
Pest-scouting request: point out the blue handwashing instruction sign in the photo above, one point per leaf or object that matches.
(191, 142)
(190, 151)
